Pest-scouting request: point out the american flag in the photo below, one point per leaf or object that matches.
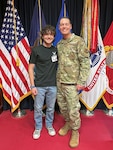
(14, 58)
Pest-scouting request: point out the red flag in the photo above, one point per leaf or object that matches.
(90, 24)
(94, 40)
(108, 43)
(108, 40)
(14, 58)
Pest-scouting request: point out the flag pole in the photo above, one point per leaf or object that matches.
(40, 18)
(64, 9)
(40, 22)
(14, 20)
(18, 113)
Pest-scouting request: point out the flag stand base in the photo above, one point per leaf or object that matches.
(19, 113)
(109, 112)
(87, 112)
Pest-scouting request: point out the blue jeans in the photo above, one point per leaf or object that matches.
(49, 95)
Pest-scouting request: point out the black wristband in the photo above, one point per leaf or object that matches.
(32, 86)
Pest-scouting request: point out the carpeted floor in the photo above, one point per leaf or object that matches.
(96, 133)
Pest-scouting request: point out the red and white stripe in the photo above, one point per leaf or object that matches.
(15, 81)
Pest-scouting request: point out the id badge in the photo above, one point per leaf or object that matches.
(54, 57)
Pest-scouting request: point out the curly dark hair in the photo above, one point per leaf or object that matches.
(48, 29)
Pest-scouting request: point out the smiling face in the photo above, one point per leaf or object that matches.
(65, 27)
(47, 35)
(48, 39)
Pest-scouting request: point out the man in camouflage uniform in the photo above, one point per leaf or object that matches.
(73, 70)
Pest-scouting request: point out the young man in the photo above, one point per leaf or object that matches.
(73, 70)
(43, 83)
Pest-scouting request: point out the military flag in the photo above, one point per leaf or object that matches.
(108, 43)
(37, 23)
(96, 82)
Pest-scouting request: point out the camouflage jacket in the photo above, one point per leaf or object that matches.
(73, 61)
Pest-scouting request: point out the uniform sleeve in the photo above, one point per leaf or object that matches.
(84, 61)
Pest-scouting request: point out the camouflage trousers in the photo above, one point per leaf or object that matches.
(68, 101)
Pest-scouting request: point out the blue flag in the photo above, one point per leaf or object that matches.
(58, 36)
(35, 24)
